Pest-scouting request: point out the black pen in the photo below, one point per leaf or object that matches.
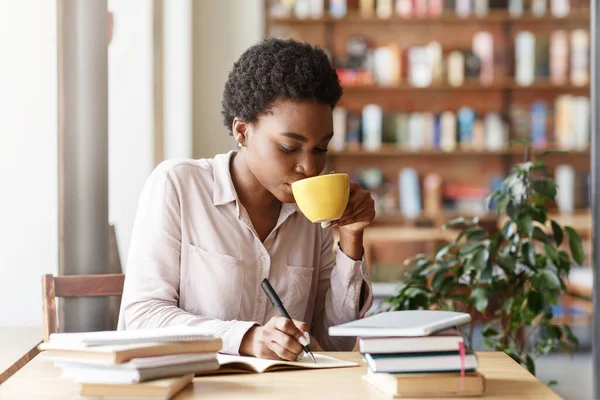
(279, 305)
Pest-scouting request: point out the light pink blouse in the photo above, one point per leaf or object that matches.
(196, 260)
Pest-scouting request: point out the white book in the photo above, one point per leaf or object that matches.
(448, 131)
(446, 340)
(139, 369)
(564, 176)
(495, 132)
(560, 8)
(340, 126)
(416, 140)
(372, 120)
(420, 73)
(401, 323)
(579, 57)
(559, 48)
(525, 58)
(580, 112)
(156, 335)
(423, 362)
(456, 68)
(410, 195)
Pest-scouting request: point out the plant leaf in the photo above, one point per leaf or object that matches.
(456, 221)
(530, 364)
(548, 279)
(569, 334)
(539, 234)
(551, 253)
(508, 229)
(486, 273)
(512, 210)
(552, 382)
(554, 331)
(507, 262)
(557, 232)
(546, 187)
(489, 331)
(420, 265)
(438, 279)
(575, 245)
(480, 297)
(443, 251)
(470, 247)
(548, 152)
(528, 254)
(480, 259)
(502, 202)
(526, 224)
(476, 234)
(539, 214)
(508, 303)
(535, 301)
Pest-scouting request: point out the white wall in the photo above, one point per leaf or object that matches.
(222, 31)
(28, 157)
(177, 78)
(130, 121)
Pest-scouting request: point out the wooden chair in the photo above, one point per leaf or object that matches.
(75, 286)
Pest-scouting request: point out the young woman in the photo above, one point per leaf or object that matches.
(208, 231)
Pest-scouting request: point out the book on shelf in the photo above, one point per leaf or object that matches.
(416, 385)
(160, 389)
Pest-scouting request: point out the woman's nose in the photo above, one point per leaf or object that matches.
(307, 166)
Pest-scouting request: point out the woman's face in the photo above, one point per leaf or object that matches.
(288, 144)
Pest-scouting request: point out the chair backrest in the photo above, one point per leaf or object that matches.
(75, 286)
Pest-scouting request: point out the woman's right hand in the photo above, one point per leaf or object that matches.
(278, 339)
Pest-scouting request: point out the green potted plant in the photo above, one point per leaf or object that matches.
(509, 279)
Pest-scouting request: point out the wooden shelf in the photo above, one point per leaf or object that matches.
(497, 16)
(443, 217)
(388, 149)
(467, 86)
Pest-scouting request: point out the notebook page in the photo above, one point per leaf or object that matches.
(261, 365)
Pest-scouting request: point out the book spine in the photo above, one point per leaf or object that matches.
(538, 125)
(558, 57)
(524, 58)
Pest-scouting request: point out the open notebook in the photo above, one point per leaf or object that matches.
(231, 363)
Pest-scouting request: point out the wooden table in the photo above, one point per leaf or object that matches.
(18, 345)
(505, 379)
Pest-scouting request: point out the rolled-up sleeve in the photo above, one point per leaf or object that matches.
(343, 294)
(151, 293)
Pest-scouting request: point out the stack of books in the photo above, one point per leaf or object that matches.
(148, 363)
(416, 354)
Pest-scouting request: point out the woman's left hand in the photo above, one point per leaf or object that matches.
(359, 213)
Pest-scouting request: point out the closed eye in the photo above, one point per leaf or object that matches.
(285, 149)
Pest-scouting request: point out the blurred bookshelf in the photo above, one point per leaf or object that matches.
(435, 92)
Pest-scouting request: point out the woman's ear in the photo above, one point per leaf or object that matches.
(240, 131)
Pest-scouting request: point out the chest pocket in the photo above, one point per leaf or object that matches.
(299, 285)
(215, 282)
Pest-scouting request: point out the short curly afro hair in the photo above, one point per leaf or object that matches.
(277, 69)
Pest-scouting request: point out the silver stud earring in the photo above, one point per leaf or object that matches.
(240, 145)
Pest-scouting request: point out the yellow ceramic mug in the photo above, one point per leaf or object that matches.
(322, 198)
